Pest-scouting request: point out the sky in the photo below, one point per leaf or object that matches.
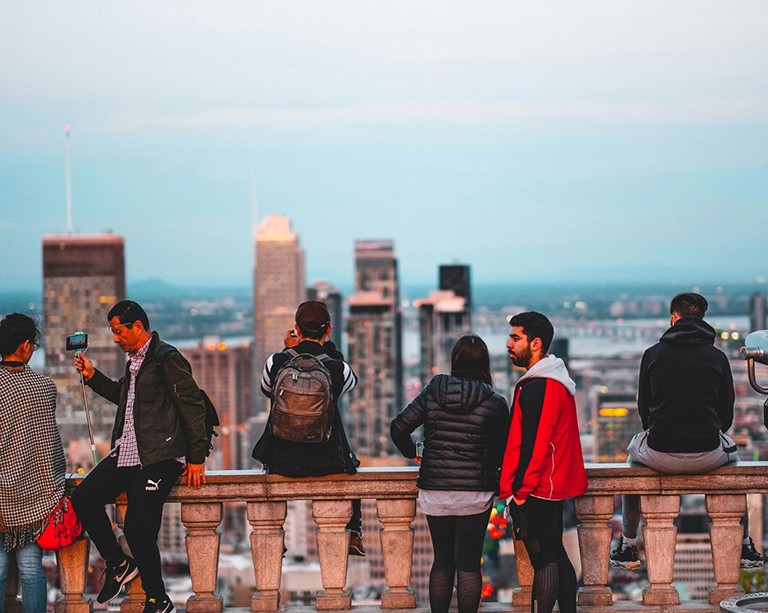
(599, 140)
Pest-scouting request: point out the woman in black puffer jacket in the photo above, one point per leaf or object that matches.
(465, 431)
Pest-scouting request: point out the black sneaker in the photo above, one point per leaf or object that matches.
(625, 557)
(116, 577)
(750, 557)
(158, 605)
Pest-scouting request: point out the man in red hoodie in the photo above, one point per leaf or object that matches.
(543, 463)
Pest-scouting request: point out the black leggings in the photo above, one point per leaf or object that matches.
(457, 541)
(554, 580)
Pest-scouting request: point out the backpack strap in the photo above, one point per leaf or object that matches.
(323, 357)
(162, 352)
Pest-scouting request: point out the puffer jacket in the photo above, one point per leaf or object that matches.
(465, 428)
(168, 411)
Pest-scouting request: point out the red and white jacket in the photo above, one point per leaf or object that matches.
(543, 456)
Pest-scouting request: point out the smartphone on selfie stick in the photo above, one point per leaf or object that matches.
(78, 342)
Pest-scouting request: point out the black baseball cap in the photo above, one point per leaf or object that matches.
(313, 315)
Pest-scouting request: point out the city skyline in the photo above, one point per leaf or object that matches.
(598, 140)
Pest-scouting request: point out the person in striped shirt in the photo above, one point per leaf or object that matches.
(334, 456)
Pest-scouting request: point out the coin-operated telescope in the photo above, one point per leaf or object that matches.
(755, 349)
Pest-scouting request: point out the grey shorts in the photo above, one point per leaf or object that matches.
(681, 463)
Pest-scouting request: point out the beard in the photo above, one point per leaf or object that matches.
(522, 359)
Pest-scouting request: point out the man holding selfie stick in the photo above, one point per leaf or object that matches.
(78, 342)
(159, 433)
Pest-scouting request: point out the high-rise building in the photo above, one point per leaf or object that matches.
(278, 289)
(560, 347)
(224, 372)
(325, 292)
(757, 312)
(444, 318)
(375, 348)
(83, 277)
(455, 278)
(615, 421)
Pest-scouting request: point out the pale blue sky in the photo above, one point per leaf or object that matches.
(536, 141)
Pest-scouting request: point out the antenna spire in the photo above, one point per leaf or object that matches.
(67, 131)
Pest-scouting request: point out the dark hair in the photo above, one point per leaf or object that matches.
(128, 312)
(470, 359)
(313, 331)
(689, 305)
(14, 330)
(535, 325)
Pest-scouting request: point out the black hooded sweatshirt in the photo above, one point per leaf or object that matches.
(465, 430)
(685, 389)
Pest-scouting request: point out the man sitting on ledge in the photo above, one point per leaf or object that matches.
(288, 446)
(685, 400)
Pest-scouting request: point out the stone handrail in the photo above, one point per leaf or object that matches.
(725, 490)
(394, 490)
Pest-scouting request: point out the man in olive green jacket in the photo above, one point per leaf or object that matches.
(159, 433)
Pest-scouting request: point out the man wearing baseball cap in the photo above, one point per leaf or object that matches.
(333, 456)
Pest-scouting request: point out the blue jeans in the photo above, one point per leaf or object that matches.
(29, 561)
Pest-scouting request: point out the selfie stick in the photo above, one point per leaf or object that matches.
(88, 416)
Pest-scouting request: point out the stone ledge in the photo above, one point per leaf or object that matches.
(620, 606)
(399, 482)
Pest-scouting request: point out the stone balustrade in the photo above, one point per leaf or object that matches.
(394, 490)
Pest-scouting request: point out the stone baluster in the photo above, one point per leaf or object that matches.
(659, 535)
(73, 571)
(726, 533)
(522, 596)
(331, 517)
(201, 520)
(267, 542)
(594, 513)
(396, 517)
(11, 602)
(135, 601)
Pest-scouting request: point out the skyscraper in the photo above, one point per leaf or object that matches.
(278, 289)
(615, 421)
(455, 278)
(224, 372)
(375, 348)
(324, 291)
(83, 276)
(444, 318)
(757, 312)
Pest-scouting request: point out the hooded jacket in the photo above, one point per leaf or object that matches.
(543, 456)
(465, 424)
(685, 389)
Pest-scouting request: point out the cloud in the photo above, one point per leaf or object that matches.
(472, 112)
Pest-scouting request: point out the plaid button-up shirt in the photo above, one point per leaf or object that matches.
(128, 450)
